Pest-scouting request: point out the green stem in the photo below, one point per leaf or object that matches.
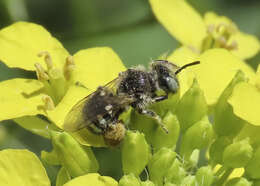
(224, 177)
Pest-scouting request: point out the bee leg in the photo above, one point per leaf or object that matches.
(153, 115)
(160, 98)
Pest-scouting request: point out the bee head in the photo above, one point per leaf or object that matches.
(166, 72)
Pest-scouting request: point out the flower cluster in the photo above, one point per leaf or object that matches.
(213, 121)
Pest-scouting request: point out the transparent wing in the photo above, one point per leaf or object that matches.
(74, 120)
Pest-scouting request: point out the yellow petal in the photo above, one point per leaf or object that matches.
(257, 81)
(212, 18)
(20, 97)
(248, 45)
(181, 20)
(35, 124)
(21, 167)
(58, 115)
(97, 66)
(21, 42)
(245, 101)
(73, 95)
(92, 179)
(217, 69)
(180, 57)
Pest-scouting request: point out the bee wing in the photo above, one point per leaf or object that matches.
(113, 85)
(74, 120)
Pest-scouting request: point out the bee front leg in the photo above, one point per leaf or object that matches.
(154, 116)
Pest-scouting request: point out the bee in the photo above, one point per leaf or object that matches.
(137, 88)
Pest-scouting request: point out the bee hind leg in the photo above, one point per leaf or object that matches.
(154, 116)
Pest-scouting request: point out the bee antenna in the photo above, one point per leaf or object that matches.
(185, 66)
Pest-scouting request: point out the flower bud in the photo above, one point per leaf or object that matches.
(50, 157)
(129, 180)
(189, 181)
(192, 106)
(238, 182)
(161, 139)
(237, 154)
(159, 165)
(147, 183)
(135, 153)
(205, 176)
(225, 122)
(169, 184)
(143, 124)
(253, 166)
(217, 148)
(175, 173)
(197, 136)
(77, 160)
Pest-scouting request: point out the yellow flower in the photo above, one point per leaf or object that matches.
(62, 80)
(216, 70)
(201, 33)
(245, 100)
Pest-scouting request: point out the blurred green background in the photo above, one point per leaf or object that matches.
(128, 26)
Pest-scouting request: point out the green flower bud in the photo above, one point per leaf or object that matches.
(225, 122)
(143, 124)
(62, 177)
(238, 182)
(129, 180)
(253, 166)
(237, 154)
(197, 136)
(169, 184)
(189, 181)
(175, 173)
(205, 176)
(217, 148)
(192, 106)
(159, 165)
(161, 139)
(135, 153)
(50, 157)
(147, 183)
(77, 160)
(170, 104)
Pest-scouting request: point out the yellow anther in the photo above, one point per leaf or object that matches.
(48, 102)
(68, 67)
(210, 28)
(222, 42)
(41, 74)
(232, 46)
(47, 59)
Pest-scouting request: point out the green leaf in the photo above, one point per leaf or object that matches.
(21, 167)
